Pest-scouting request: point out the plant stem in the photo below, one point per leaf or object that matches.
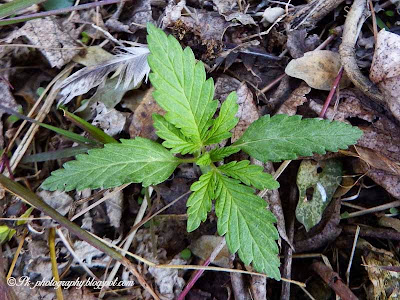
(53, 258)
(188, 160)
(331, 93)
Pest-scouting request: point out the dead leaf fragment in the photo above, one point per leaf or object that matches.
(205, 245)
(271, 14)
(58, 46)
(377, 160)
(385, 69)
(110, 120)
(142, 121)
(318, 69)
(296, 99)
(94, 56)
(247, 113)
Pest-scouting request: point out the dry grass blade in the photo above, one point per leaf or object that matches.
(31, 198)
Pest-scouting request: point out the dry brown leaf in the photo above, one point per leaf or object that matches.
(204, 246)
(385, 69)
(318, 69)
(94, 56)
(142, 121)
(58, 42)
(297, 98)
(350, 107)
(247, 113)
(391, 183)
(225, 8)
(376, 160)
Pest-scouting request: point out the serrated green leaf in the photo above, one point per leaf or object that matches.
(204, 160)
(284, 137)
(139, 160)
(220, 153)
(247, 225)
(225, 121)
(251, 175)
(172, 136)
(317, 182)
(200, 201)
(181, 86)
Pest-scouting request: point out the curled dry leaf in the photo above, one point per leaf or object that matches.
(376, 160)
(385, 69)
(318, 69)
(296, 99)
(57, 44)
(225, 8)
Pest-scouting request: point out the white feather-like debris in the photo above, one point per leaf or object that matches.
(130, 64)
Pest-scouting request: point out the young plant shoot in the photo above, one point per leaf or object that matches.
(189, 125)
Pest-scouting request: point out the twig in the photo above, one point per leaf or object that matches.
(374, 26)
(189, 267)
(197, 275)
(333, 280)
(14, 261)
(331, 93)
(61, 11)
(379, 233)
(352, 255)
(53, 258)
(145, 220)
(354, 20)
(374, 209)
(74, 255)
(129, 239)
(288, 251)
(106, 197)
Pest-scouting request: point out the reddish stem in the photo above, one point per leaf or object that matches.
(331, 93)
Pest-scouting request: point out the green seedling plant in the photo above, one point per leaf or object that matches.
(187, 129)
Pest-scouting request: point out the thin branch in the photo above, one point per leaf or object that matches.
(61, 11)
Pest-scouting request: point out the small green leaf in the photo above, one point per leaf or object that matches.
(247, 225)
(25, 215)
(220, 153)
(317, 182)
(139, 160)
(199, 202)
(204, 160)
(173, 137)
(6, 233)
(181, 86)
(186, 254)
(225, 121)
(283, 137)
(249, 174)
